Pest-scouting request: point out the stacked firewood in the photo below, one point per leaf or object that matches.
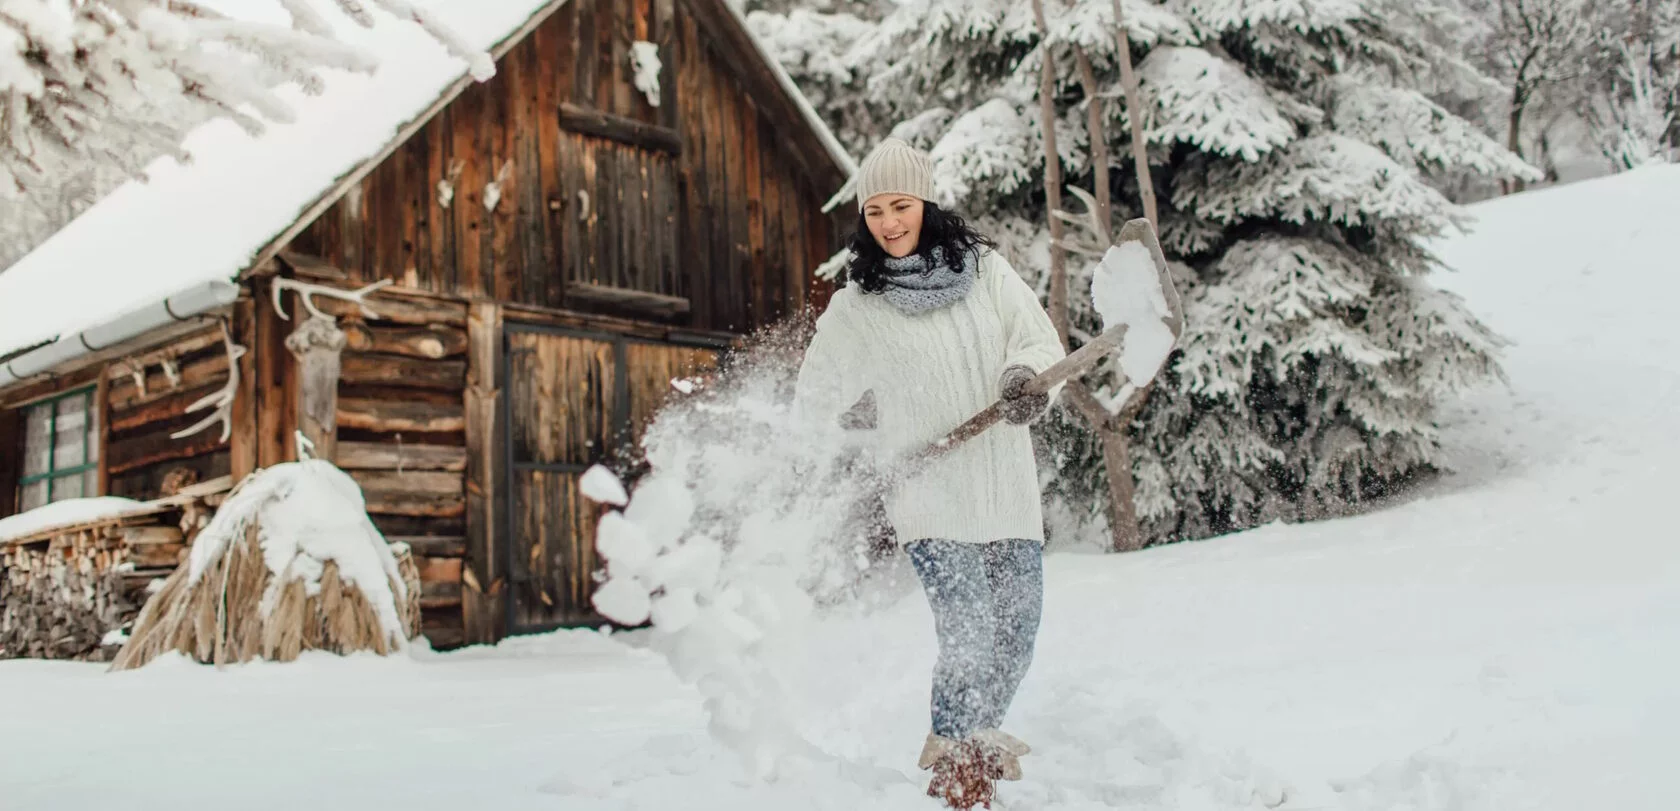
(62, 595)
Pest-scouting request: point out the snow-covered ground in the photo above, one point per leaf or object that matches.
(1507, 639)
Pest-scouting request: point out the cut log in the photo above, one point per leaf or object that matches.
(416, 311)
(421, 482)
(602, 124)
(124, 455)
(163, 554)
(440, 595)
(641, 301)
(432, 546)
(159, 409)
(430, 342)
(399, 456)
(142, 536)
(396, 370)
(388, 417)
(439, 570)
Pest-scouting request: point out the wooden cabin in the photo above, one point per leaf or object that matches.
(553, 247)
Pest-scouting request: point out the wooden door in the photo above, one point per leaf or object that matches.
(574, 399)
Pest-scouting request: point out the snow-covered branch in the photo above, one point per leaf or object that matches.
(118, 83)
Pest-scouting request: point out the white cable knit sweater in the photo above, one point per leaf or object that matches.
(930, 372)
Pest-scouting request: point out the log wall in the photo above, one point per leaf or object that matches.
(146, 403)
(402, 437)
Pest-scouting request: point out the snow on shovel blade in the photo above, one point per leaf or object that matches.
(1130, 289)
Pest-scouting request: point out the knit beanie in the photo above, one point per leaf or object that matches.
(895, 167)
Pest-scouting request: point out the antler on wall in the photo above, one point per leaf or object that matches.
(308, 292)
(222, 399)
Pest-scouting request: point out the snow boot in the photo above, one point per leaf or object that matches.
(961, 772)
(1002, 753)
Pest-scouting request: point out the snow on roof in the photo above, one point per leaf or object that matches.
(208, 220)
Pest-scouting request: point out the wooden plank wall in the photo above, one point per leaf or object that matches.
(730, 219)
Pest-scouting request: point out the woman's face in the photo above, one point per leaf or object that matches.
(895, 220)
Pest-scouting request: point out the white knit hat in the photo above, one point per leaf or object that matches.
(895, 167)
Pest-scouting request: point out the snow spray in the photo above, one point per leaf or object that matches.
(747, 521)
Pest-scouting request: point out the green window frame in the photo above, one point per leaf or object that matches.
(44, 486)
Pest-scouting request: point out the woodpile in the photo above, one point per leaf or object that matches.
(61, 595)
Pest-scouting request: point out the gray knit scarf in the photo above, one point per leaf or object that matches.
(916, 285)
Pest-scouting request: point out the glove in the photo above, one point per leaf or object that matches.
(1020, 407)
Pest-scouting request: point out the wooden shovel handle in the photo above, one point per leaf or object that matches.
(1075, 364)
(1069, 367)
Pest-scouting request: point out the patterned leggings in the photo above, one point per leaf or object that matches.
(987, 600)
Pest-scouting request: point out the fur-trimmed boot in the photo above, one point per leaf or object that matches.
(961, 772)
(1002, 753)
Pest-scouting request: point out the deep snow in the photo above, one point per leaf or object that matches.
(1503, 639)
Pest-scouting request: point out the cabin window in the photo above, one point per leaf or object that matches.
(60, 450)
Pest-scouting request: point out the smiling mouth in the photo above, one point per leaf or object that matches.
(898, 236)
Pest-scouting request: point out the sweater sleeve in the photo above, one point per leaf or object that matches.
(830, 379)
(1031, 339)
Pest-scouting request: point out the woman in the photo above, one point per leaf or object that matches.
(933, 326)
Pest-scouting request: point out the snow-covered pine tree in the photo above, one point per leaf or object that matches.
(119, 82)
(1288, 143)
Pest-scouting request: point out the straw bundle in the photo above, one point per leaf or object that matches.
(290, 563)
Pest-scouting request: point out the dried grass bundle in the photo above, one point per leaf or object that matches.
(290, 563)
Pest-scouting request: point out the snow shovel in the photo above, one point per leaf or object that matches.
(1137, 243)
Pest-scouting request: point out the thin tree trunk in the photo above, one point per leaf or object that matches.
(1135, 112)
(1052, 178)
(1099, 145)
(1125, 535)
(1514, 143)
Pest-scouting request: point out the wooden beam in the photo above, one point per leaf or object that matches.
(102, 417)
(572, 319)
(389, 417)
(243, 447)
(400, 305)
(395, 370)
(310, 266)
(652, 303)
(433, 342)
(400, 456)
(602, 124)
(11, 458)
(150, 449)
(483, 609)
(433, 546)
(166, 408)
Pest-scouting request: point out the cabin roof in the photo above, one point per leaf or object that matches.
(237, 201)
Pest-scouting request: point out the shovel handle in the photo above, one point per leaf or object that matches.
(1075, 364)
(1070, 366)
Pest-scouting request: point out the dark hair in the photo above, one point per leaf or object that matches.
(940, 228)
